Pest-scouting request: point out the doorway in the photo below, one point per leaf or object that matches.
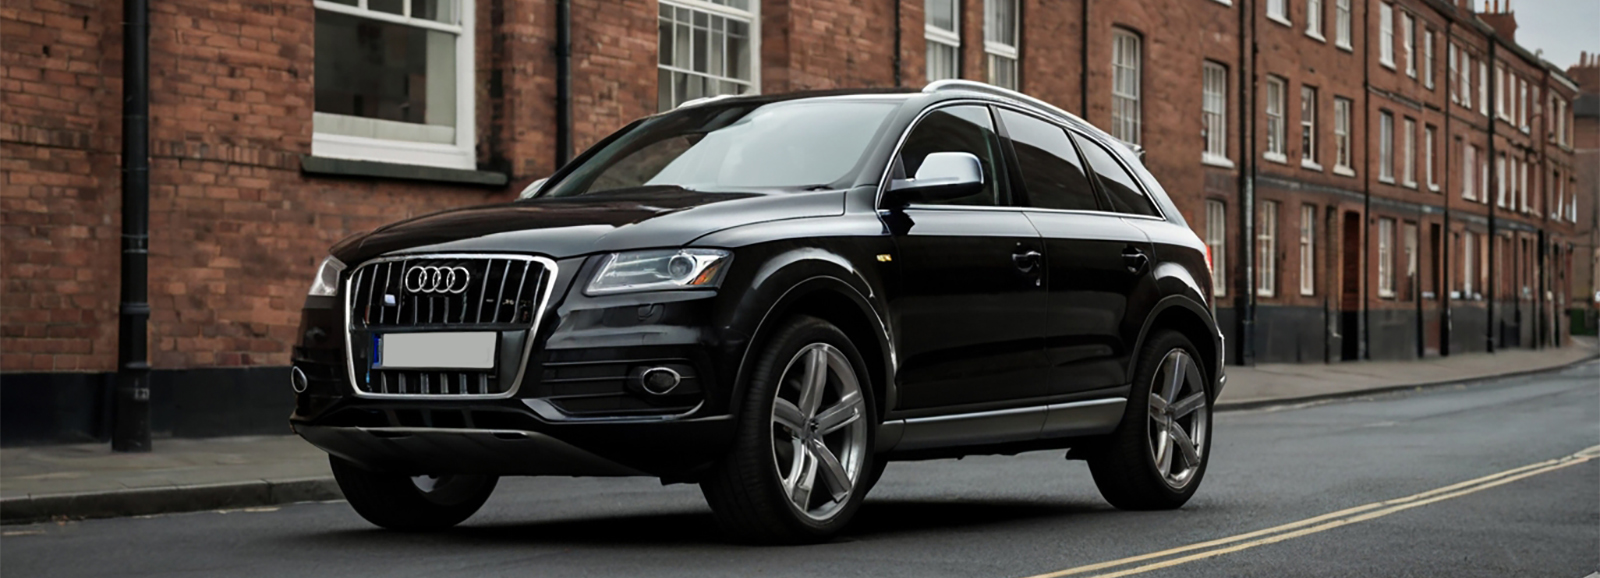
(1350, 287)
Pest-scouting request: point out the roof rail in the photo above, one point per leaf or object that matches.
(704, 100)
(992, 90)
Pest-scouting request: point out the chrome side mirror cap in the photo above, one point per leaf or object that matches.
(532, 189)
(942, 177)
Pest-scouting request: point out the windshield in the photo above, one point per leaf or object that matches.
(797, 144)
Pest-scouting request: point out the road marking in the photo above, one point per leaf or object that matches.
(1324, 522)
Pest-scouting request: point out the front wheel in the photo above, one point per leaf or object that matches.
(1155, 459)
(411, 503)
(803, 453)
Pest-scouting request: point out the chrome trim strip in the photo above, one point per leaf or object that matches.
(1087, 403)
(533, 331)
(975, 415)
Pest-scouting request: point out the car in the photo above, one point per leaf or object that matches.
(773, 297)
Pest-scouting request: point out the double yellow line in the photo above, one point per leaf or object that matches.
(1325, 522)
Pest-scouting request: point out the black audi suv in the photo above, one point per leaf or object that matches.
(773, 297)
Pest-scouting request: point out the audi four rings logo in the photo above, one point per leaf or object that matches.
(432, 279)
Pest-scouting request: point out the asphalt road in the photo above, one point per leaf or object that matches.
(997, 516)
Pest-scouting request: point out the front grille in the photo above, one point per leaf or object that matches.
(425, 293)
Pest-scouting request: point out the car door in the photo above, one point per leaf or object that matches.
(1097, 259)
(970, 314)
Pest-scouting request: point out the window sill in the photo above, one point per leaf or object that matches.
(1305, 293)
(1212, 160)
(1345, 46)
(1310, 165)
(1386, 180)
(1262, 293)
(354, 168)
(1280, 20)
(1224, 2)
(1433, 188)
(1410, 185)
(1317, 36)
(1344, 171)
(1279, 158)
(1382, 295)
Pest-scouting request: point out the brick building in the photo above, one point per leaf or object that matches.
(1586, 157)
(1338, 155)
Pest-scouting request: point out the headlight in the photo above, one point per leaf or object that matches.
(326, 283)
(663, 269)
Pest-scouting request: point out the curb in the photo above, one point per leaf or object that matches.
(1282, 401)
(166, 500)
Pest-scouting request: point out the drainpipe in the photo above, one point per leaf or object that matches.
(130, 427)
(1083, 64)
(1444, 280)
(1362, 304)
(899, 80)
(563, 82)
(1247, 186)
(1493, 245)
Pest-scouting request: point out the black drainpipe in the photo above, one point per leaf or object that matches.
(130, 430)
(898, 79)
(563, 82)
(1493, 288)
(1364, 295)
(1246, 295)
(1083, 65)
(1442, 279)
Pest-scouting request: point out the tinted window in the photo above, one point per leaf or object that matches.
(793, 144)
(1052, 176)
(1119, 185)
(963, 129)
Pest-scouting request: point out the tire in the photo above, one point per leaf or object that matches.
(411, 504)
(754, 491)
(1129, 468)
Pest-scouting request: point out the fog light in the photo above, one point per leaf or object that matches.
(659, 380)
(297, 380)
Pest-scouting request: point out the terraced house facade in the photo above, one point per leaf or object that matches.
(1375, 179)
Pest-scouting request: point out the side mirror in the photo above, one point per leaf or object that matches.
(532, 189)
(942, 177)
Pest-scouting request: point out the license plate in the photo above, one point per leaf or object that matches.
(450, 350)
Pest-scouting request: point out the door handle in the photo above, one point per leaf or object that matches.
(1026, 261)
(1135, 259)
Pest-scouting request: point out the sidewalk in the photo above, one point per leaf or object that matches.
(87, 480)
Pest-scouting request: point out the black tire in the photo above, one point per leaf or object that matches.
(746, 489)
(396, 502)
(1125, 467)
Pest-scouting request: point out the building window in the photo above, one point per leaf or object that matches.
(705, 49)
(1408, 245)
(1451, 78)
(1469, 249)
(1341, 18)
(1314, 19)
(1278, 10)
(1522, 186)
(1267, 250)
(1214, 110)
(1275, 128)
(1555, 186)
(1468, 169)
(1386, 147)
(942, 31)
(1408, 40)
(1500, 91)
(393, 82)
(1483, 178)
(1341, 137)
(1466, 80)
(1429, 141)
(1386, 35)
(1308, 255)
(1427, 59)
(1500, 180)
(1408, 150)
(1217, 243)
(1125, 111)
(1386, 257)
(1308, 127)
(1483, 87)
(1522, 104)
(1000, 23)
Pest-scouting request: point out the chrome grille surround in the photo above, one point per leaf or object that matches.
(541, 287)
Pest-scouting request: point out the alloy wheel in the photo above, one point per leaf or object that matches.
(819, 433)
(1178, 419)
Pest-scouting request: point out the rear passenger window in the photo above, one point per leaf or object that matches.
(1051, 172)
(960, 129)
(1120, 186)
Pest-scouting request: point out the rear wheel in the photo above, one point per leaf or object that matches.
(411, 503)
(803, 453)
(1157, 456)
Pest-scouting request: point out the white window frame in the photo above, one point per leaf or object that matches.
(461, 154)
(1386, 147)
(999, 51)
(1385, 258)
(1267, 250)
(1408, 29)
(1214, 113)
(1500, 180)
(1522, 186)
(1127, 50)
(1344, 152)
(752, 20)
(1408, 148)
(1483, 87)
(1341, 24)
(1466, 79)
(1427, 59)
(1483, 177)
(1217, 241)
(1277, 133)
(946, 38)
(1278, 11)
(1469, 258)
(1308, 128)
(1430, 142)
(1308, 254)
(1500, 92)
(1408, 244)
(1469, 161)
(1522, 104)
(1386, 35)
(1559, 206)
(1314, 20)
(1452, 77)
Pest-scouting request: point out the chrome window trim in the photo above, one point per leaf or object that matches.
(1013, 411)
(527, 352)
(883, 182)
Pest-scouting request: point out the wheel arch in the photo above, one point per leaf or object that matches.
(1188, 318)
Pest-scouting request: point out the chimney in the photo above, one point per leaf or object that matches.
(1502, 19)
(1586, 73)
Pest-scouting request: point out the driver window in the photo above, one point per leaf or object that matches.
(966, 129)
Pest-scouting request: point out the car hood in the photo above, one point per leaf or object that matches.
(620, 220)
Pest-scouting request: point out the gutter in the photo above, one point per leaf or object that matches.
(563, 82)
